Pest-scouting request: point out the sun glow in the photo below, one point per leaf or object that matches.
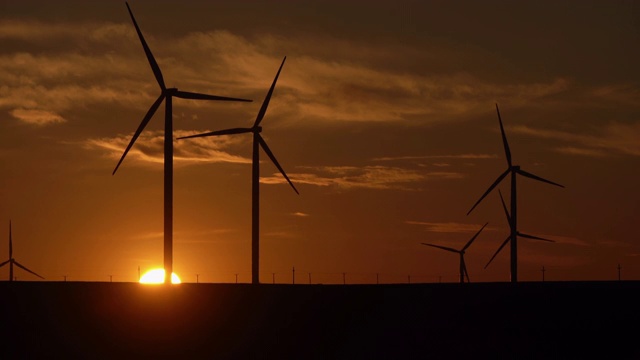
(156, 276)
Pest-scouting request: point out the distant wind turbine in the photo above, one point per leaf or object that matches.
(167, 95)
(463, 266)
(518, 233)
(13, 261)
(513, 170)
(258, 142)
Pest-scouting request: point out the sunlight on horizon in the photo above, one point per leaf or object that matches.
(156, 276)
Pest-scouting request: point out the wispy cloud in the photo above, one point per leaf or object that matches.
(614, 138)
(564, 239)
(149, 148)
(37, 117)
(431, 157)
(370, 177)
(188, 236)
(300, 214)
(343, 89)
(449, 227)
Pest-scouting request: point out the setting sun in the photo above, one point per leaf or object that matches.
(156, 276)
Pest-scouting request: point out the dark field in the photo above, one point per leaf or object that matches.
(564, 320)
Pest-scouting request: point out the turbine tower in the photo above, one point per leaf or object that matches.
(13, 261)
(513, 219)
(166, 95)
(463, 266)
(258, 142)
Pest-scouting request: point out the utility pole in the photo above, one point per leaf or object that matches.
(236, 278)
(139, 273)
(344, 278)
(65, 278)
(293, 276)
(439, 278)
(273, 278)
(619, 268)
(377, 279)
(543, 270)
(409, 278)
(309, 278)
(197, 278)
(110, 278)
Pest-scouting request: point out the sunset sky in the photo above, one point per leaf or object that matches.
(383, 117)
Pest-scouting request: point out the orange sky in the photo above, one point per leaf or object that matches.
(383, 117)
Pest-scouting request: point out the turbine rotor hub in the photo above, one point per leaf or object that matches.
(171, 91)
(257, 129)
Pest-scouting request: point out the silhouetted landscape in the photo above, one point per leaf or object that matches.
(478, 320)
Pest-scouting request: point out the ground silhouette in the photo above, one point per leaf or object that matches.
(540, 320)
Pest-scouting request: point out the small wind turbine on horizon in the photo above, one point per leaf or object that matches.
(166, 95)
(513, 225)
(13, 261)
(463, 266)
(258, 142)
(518, 233)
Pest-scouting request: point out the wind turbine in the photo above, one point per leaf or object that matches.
(258, 142)
(13, 261)
(166, 95)
(513, 219)
(527, 236)
(463, 266)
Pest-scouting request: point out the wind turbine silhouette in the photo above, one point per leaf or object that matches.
(463, 266)
(13, 261)
(258, 142)
(527, 236)
(166, 95)
(513, 218)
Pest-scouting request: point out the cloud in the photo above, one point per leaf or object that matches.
(449, 227)
(350, 88)
(187, 237)
(300, 214)
(565, 240)
(428, 157)
(149, 148)
(571, 150)
(37, 117)
(368, 177)
(613, 138)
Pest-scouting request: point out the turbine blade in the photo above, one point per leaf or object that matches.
(265, 103)
(504, 206)
(5, 263)
(464, 268)
(500, 248)
(152, 61)
(218, 133)
(504, 138)
(197, 96)
(442, 247)
(25, 269)
(141, 127)
(527, 236)
(474, 237)
(535, 177)
(495, 183)
(266, 149)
